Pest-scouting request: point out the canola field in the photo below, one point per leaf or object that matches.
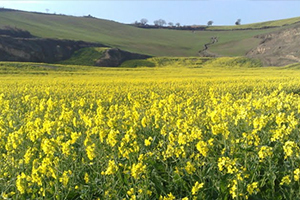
(150, 133)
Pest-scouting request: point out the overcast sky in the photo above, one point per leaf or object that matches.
(222, 12)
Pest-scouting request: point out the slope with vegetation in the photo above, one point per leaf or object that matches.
(154, 42)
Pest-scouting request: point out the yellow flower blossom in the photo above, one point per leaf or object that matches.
(296, 174)
(112, 168)
(137, 170)
(20, 183)
(289, 148)
(252, 188)
(197, 187)
(233, 189)
(265, 152)
(169, 197)
(65, 178)
(202, 148)
(86, 178)
(190, 169)
(148, 141)
(90, 151)
(285, 180)
(225, 163)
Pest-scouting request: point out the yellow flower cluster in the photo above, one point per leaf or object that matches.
(200, 138)
(264, 152)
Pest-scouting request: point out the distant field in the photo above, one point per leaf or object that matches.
(157, 42)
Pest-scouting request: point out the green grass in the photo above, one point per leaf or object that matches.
(234, 62)
(155, 62)
(85, 56)
(267, 24)
(190, 62)
(27, 68)
(137, 63)
(156, 42)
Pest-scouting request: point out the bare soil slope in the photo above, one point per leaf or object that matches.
(278, 48)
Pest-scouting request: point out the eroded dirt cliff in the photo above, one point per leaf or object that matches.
(20, 45)
(278, 48)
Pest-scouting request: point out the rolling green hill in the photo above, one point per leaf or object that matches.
(260, 25)
(156, 42)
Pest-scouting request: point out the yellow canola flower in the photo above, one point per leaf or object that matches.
(190, 168)
(86, 178)
(289, 148)
(65, 147)
(28, 155)
(265, 152)
(65, 177)
(130, 192)
(202, 148)
(296, 174)
(74, 137)
(233, 189)
(90, 151)
(285, 180)
(225, 163)
(43, 136)
(169, 197)
(112, 137)
(137, 170)
(20, 183)
(112, 168)
(148, 141)
(197, 187)
(144, 121)
(211, 141)
(252, 188)
(182, 139)
(47, 147)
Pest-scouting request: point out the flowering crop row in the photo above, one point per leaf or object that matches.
(187, 139)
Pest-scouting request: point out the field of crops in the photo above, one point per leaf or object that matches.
(150, 133)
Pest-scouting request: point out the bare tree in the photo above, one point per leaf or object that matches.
(171, 24)
(47, 10)
(144, 21)
(238, 22)
(178, 24)
(160, 22)
(209, 23)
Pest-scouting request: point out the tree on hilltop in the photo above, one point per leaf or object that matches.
(144, 21)
(160, 22)
(209, 23)
(171, 24)
(238, 22)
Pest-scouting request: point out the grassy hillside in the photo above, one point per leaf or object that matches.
(85, 56)
(194, 62)
(274, 23)
(157, 42)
